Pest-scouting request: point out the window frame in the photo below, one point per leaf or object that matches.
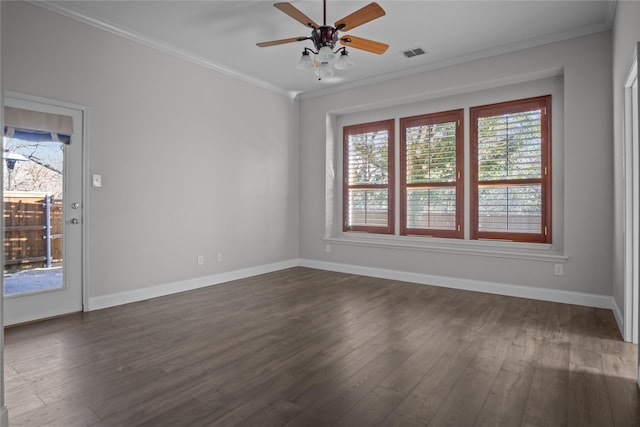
(426, 120)
(389, 126)
(511, 107)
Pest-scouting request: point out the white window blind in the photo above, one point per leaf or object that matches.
(512, 168)
(38, 126)
(368, 169)
(431, 203)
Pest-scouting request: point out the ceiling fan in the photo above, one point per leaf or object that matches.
(325, 37)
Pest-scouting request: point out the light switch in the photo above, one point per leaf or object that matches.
(96, 180)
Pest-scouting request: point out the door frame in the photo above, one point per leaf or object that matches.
(84, 224)
(630, 163)
(632, 129)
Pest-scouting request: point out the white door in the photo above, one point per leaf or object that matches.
(43, 209)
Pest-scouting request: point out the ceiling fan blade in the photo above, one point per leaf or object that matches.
(361, 16)
(282, 41)
(364, 44)
(293, 12)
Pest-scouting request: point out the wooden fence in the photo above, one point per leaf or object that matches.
(32, 238)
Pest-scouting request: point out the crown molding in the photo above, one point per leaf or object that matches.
(478, 55)
(158, 45)
(170, 49)
(611, 13)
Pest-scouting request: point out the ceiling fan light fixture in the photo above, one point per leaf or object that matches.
(344, 62)
(325, 38)
(324, 71)
(325, 54)
(305, 62)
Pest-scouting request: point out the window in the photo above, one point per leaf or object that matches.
(507, 160)
(431, 184)
(368, 153)
(511, 171)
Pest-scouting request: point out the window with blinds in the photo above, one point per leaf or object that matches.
(368, 155)
(431, 185)
(511, 168)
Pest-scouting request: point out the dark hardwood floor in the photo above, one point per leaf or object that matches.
(303, 347)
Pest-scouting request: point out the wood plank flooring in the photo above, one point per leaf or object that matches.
(304, 347)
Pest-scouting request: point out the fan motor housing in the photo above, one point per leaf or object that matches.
(324, 36)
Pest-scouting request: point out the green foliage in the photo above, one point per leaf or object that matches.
(368, 163)
(369, 158)
(431, 153)
(509, 146)
(431, 159)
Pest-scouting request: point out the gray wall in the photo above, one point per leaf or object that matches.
(193, 162)
(626, 34)
(584, 171)
(169, 191)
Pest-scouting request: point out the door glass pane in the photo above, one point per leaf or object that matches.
(33, 191)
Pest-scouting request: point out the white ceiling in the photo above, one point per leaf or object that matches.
(223, 34)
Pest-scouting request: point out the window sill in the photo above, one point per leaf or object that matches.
(486, 248)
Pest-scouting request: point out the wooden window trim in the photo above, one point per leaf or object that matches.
(508, 108)
(429, 119)
(389, 126)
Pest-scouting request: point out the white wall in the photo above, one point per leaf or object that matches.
(626, 34)
(193, 162)
(587, 166)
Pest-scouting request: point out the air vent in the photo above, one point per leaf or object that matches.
(414, 52)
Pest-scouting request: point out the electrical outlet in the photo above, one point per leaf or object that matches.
(558, 270)
(327, 248)
(219, 257)
(200, 260)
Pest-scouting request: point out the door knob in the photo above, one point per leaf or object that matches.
(74, 221)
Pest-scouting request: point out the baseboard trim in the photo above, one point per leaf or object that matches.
(119, 298)
(617, 313)
(543, 294)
